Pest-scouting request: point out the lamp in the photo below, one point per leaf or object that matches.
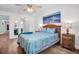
(40, 25)
(68, 26)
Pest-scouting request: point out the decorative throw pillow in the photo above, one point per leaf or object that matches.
(44, 29)
(51, 30)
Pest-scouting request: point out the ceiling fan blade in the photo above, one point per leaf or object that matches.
(25, 9)
(19, 4)
(37, 6)
(29, 5)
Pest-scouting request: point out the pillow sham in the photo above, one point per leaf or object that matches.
(44, 29)
(51, 30)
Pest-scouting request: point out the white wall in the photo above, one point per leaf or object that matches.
(69, 13)
(28, 23)
(2, 27)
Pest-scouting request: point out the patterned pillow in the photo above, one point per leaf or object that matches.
(51, 30)
(44, 29)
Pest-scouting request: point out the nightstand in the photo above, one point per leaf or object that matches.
(68, 41)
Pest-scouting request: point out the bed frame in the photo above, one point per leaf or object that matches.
(58, 28)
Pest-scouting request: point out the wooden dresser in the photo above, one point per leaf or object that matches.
(68, 41)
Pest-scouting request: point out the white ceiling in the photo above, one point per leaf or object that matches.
(19, 9)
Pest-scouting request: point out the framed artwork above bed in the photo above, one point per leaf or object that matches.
(53, 18)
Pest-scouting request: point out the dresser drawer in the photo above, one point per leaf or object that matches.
(68, 45)
(68, 41)
(67, 37)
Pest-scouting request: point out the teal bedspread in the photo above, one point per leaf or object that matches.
(35, 42)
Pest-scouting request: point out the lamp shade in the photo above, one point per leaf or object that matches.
(40, 25)
(67, 25)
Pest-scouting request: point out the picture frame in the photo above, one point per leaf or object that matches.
(53, 18)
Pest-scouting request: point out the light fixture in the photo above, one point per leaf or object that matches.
(68, 26)
(16, 21)
(29, 9)
(40, 25)
(21, 22)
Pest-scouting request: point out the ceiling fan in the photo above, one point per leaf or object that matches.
(29, 7)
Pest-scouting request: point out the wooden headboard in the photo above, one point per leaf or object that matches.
(58, 28)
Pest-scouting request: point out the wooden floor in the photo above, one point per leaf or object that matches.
(9, 46)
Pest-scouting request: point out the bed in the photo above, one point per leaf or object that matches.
(35, 42)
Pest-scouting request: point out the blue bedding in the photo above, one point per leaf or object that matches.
(37, 41)
(27, 33)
